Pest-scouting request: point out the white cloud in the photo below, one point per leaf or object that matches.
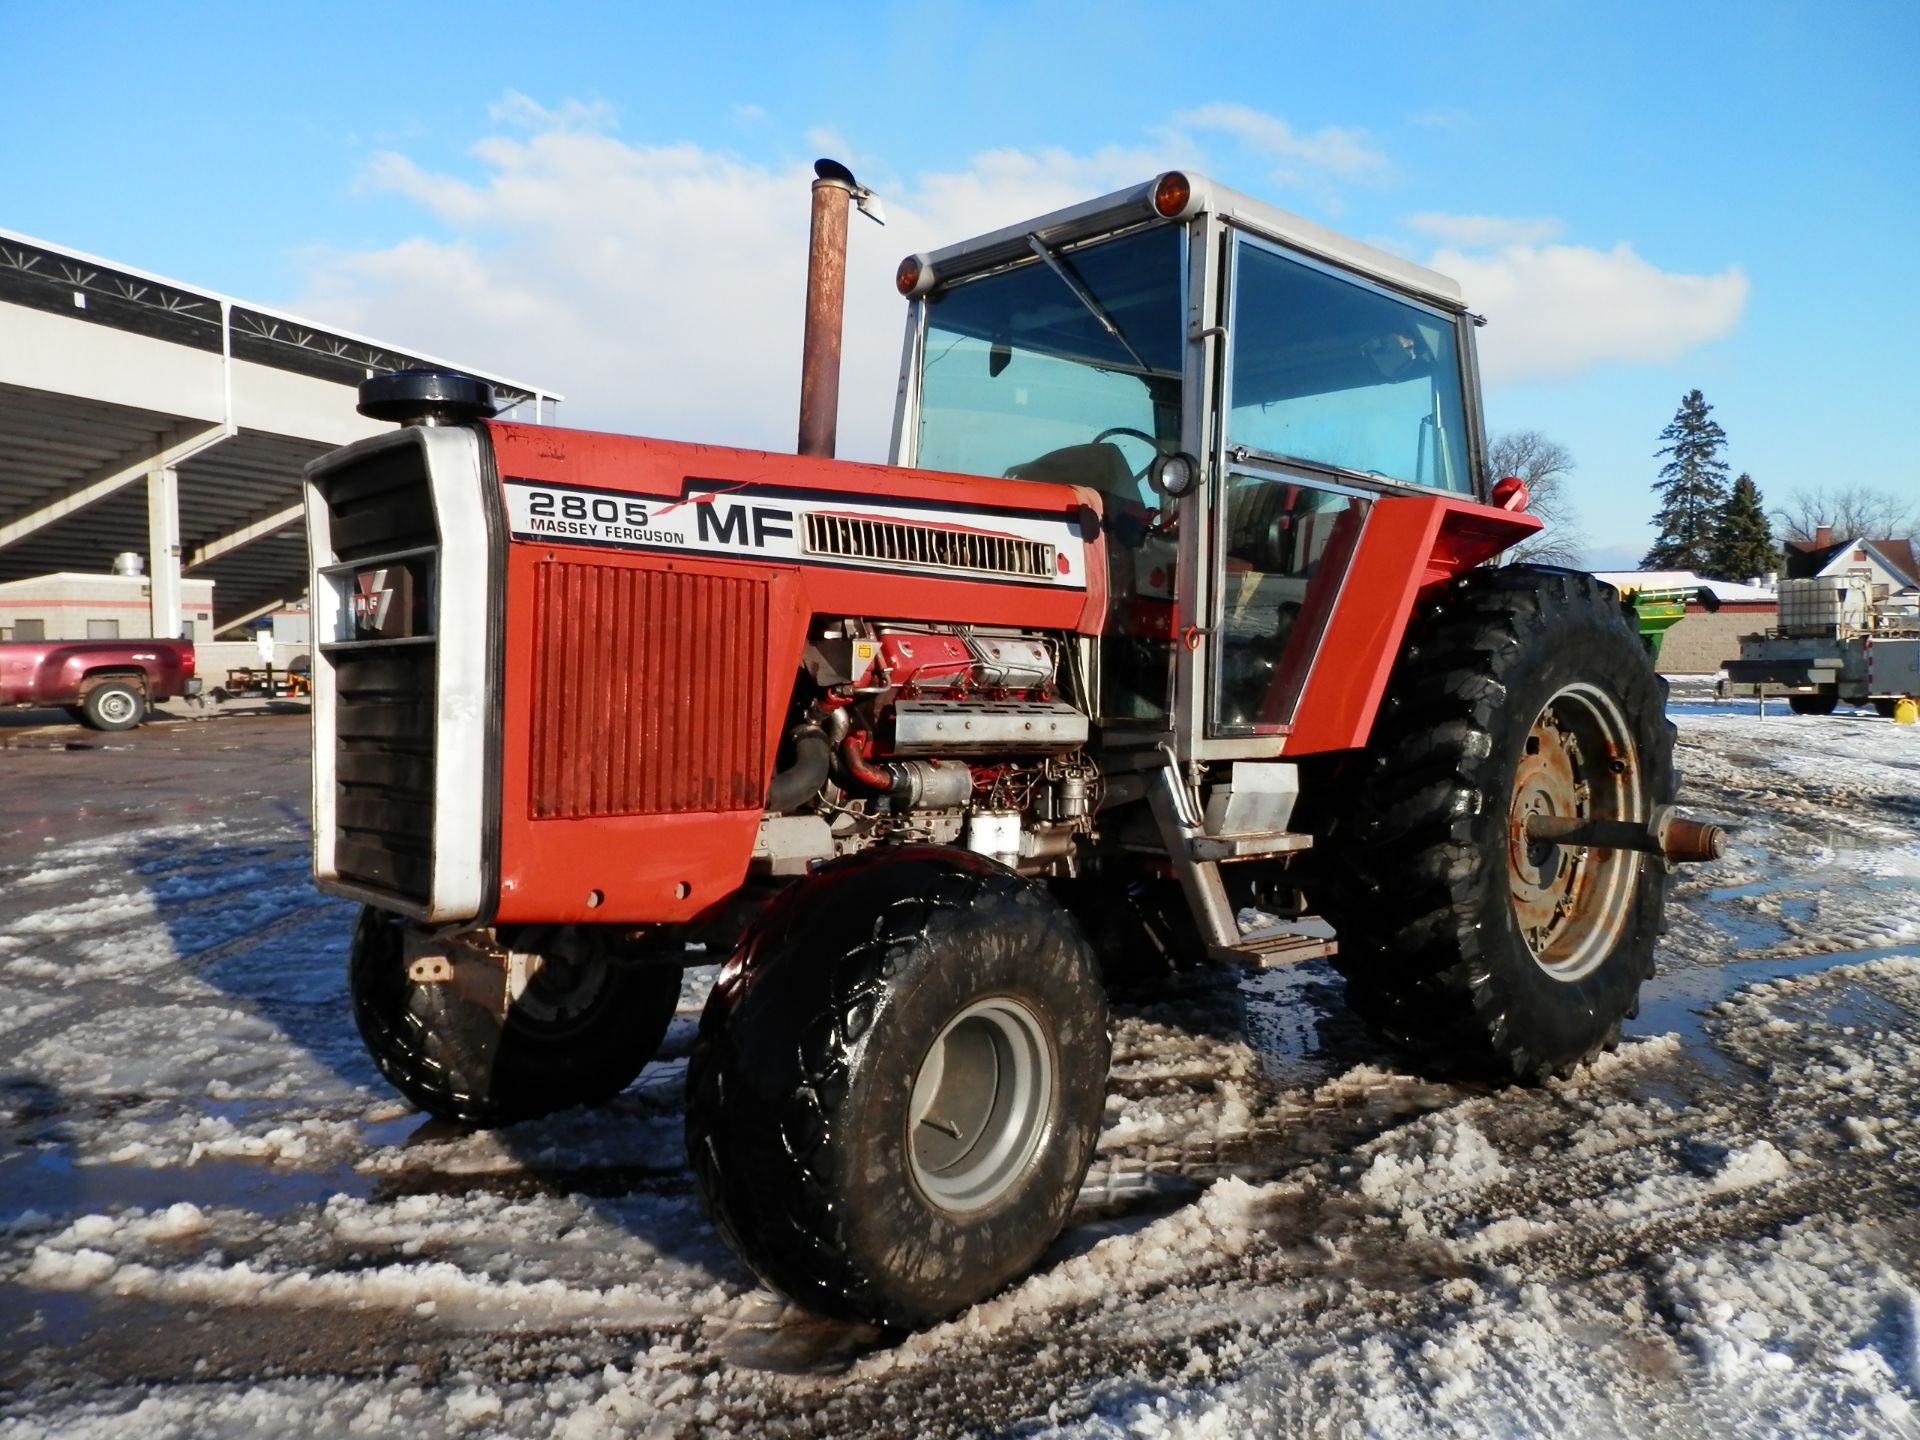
(1336, 150)
(662, 288)
(1557, 309)
(525, 113)
(1474, 232)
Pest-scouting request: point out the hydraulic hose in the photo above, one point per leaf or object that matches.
(801, 781)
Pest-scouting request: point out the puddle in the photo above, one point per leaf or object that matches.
(47, 1179)
(1677, 1000)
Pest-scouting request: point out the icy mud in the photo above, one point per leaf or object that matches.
(216, 1220)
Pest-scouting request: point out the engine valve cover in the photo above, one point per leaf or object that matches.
(1004, 727)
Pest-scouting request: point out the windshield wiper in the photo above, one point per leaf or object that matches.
(1086, 298)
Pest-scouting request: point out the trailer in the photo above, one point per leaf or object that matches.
(1838, 642)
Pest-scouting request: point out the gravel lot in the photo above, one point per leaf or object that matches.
(215, 1219)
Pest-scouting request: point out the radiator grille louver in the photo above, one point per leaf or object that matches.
(383, 697)
(383, 770)
(935, 547)
(649, 692)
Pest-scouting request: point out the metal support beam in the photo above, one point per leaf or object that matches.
(163, 551)
(103, 485)
(252, 615)
(253, 530)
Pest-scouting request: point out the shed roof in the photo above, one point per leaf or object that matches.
(108, 372)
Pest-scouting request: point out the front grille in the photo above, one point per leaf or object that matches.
(650, 692)
(381, 505)
(384, 691)
(383, 769)
(935, 547)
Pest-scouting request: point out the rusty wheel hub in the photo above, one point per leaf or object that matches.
(1570, 902)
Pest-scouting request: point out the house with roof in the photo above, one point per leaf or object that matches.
(1889, 566)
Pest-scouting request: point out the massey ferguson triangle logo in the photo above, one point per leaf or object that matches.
(372, 599)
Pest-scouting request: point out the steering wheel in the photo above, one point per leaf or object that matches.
(1132, 434)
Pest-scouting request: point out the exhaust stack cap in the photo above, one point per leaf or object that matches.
(427, 397)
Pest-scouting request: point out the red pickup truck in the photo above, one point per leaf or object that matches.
(108, 684)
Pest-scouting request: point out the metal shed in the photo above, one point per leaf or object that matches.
(141, 414)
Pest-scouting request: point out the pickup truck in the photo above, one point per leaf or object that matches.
(108, 684)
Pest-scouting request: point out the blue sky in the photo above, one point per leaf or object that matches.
(610, 199)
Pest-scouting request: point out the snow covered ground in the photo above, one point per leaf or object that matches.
(215, 1219)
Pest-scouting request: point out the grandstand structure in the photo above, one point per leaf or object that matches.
(141, 414)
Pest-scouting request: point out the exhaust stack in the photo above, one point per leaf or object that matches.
(826, 302)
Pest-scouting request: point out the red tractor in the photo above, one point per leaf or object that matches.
(1170, 614)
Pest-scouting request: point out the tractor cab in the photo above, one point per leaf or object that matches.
(1241, 388)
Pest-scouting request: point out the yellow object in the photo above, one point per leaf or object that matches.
(1906, 710)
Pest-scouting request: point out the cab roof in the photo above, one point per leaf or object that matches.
(1135, 205)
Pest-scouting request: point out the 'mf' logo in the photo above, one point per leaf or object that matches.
(755, 525)
(722, 527)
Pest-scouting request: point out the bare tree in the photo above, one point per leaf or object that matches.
(1545, 465)
(1849, 511)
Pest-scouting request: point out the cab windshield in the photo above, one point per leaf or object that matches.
(1064, 368)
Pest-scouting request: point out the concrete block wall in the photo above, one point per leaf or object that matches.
(1702, 643)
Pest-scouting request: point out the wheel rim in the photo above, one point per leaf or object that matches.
(1571, 903)
(114, 706)
(980, 1103)
(554, 995)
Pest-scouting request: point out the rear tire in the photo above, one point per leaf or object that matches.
(1885, 707)
(113, 706)
(1824, 703)
(1524, 690)
(579, 1035)
(898, 1084)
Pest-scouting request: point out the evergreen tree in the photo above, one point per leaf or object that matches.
(1743, 541)
(1692, 488)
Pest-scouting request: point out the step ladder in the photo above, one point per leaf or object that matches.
(1198, 853)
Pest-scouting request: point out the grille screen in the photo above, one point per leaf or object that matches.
(384, 695)
(383, 769)
(933, 546)
(650, 692)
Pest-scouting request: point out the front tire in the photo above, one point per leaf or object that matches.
(580, 1032)
(1523, 691)
(898, 1084)
(113, 706)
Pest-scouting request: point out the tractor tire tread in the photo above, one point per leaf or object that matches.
(1417, 974)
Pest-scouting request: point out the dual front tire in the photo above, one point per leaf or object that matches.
(898, 1084)
(894, 1096)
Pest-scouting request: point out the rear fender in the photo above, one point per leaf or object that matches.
(94, 679)
(1410, 548)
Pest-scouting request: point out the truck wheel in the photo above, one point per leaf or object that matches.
(113, 706)
(1523, 691)
(1884, 706)
(1822, 704)
(898, 1084)
(578, 1035)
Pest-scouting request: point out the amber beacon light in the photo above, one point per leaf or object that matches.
(1171, 192)
(914, 277)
